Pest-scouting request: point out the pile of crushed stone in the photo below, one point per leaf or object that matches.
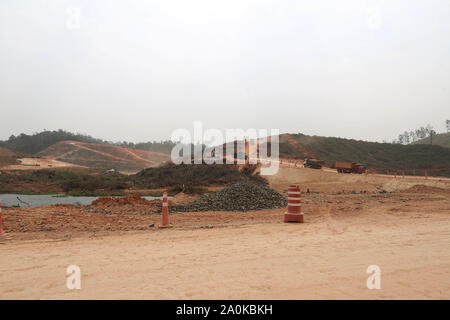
(242, 196)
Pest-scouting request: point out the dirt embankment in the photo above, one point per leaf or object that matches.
(103, 156)
(325, 181)
(328, 192)
(134, 213)
(8, 157)
(132, 199)
(229, 255)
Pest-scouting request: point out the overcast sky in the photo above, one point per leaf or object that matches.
(137, 70)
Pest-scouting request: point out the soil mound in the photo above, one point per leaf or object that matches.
(242, 196)
(421, 188)
(132, 199)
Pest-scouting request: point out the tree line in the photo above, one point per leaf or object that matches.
(418, 134)
(37, 142)
(415, 135)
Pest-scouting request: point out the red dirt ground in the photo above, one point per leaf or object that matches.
(134, 213)
(105, 156)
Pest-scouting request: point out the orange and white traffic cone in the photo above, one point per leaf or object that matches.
(165, 212)
(294, 213)
(1, 229)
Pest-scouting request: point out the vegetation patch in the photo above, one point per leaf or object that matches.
(193, 177)
(379, 156)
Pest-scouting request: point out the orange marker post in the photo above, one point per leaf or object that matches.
(294, 213)
(165, 211)
(1, 229)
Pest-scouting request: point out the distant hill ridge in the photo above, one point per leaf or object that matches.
(37, 142)
(88, 151)
(376, 155)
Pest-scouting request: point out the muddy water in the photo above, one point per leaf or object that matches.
(26, 201)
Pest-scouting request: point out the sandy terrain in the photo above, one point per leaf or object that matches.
(248, 255)
(38, 163)
(328, 180)
(103, 156)
(401, 225)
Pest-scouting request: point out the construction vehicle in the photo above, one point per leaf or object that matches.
(313, 163)
(350, 167)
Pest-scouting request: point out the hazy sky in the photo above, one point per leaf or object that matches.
(137, 70)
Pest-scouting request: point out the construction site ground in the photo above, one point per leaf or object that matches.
(352, 221)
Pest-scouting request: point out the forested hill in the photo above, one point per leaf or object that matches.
(381, 156)
(37, 142)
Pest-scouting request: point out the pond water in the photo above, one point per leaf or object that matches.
(26, 201)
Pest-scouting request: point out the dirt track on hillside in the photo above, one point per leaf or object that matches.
(104, 156)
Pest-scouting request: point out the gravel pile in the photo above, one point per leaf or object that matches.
(242, 196)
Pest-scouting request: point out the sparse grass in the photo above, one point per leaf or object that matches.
(195, 175)
(380, 156)
(191, 179)
(72, 181)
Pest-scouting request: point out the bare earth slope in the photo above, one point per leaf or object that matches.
(103, 156)
(8, 157)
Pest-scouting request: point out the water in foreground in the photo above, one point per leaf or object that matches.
(26, 201)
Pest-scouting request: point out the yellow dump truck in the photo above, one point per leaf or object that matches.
(350, 167)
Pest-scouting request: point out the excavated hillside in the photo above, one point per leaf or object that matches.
(103, 156)
(8, 157)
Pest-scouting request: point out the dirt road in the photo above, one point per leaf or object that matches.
(326, 257)
(39, 163)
